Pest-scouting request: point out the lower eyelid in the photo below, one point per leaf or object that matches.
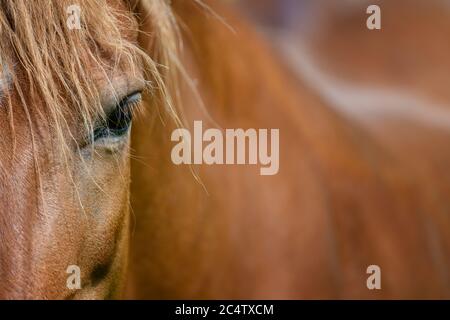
(110, 144)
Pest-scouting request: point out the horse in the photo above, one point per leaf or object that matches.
(86, 177)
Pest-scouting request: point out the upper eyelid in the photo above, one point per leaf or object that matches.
(126, 99)
(118, 88)
(124, 102)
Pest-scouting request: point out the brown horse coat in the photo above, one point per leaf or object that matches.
(348, 195)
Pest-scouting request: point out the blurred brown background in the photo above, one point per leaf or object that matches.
(403, 66)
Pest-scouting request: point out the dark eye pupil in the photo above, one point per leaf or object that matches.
(118, 121)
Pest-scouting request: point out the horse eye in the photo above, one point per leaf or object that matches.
(118, 121)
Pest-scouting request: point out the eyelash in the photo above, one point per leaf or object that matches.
(118, 122)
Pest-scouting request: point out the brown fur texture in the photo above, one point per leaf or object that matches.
(347, 195)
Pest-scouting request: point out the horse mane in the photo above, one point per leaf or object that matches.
(57, 61)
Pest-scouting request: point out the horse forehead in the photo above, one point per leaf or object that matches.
(126, 6)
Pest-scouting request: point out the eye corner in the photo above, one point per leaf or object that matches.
(116, 123)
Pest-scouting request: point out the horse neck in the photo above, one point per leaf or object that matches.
(230, 209)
